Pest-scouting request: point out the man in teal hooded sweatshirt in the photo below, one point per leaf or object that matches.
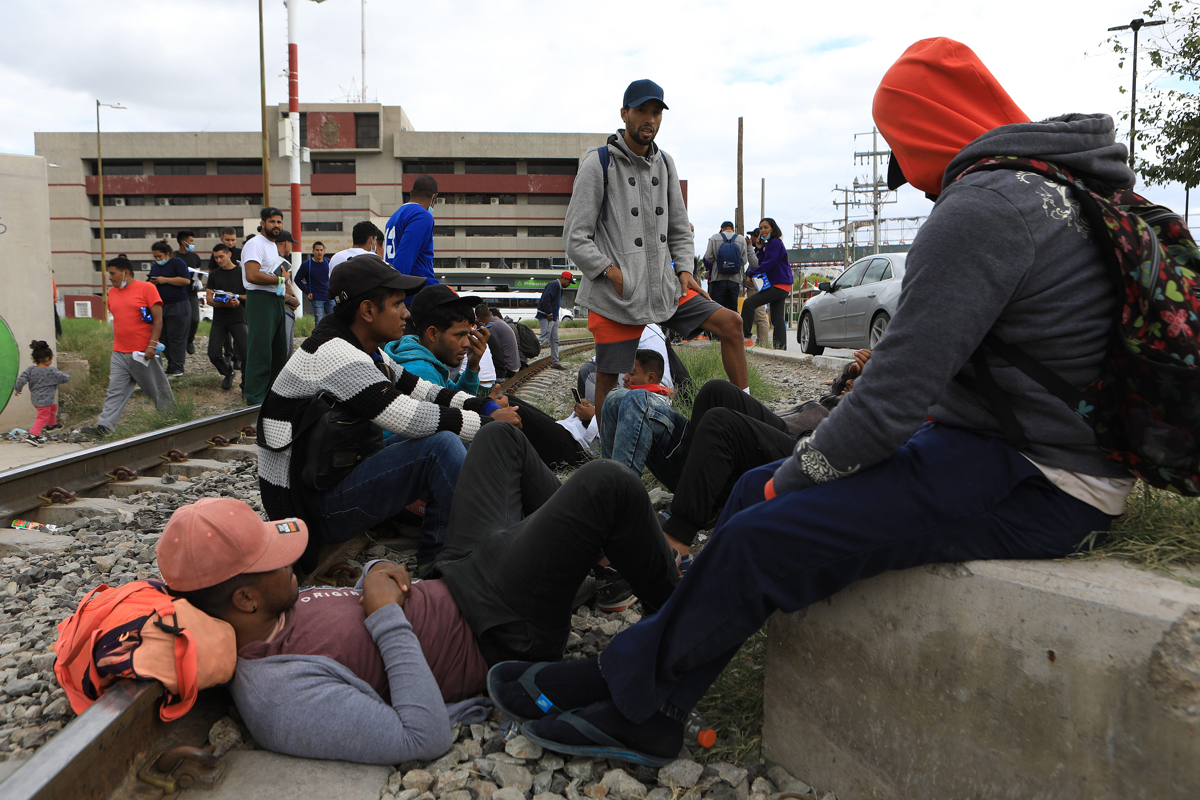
(445, 335)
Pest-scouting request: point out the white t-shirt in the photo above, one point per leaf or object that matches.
(343, 255)
(266, 253)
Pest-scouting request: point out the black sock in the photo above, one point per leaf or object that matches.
(658, 736)
(568, 685)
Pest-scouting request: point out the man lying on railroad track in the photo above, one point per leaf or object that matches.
(379, 674)
(339, 473)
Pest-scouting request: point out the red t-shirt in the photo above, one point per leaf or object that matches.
(131, 334)
(330, 622)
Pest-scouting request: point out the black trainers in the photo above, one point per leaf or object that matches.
(557, 366)
(585, 592)
(613, 593)
(36, 441)
(227, 382)
(94, 430)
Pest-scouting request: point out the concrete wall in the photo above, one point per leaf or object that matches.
(997, 679)
(27, 302)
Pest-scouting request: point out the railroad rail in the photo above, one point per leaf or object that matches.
(119, 748)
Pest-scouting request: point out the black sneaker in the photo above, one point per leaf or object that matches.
(585, 592)
(613, 593)
(557, 366)
(227, 382)
(53, 427)
(94, 430)
(36, 441)
(191, 349)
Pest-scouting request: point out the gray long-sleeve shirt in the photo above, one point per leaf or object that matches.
(646, 228)
(1002, 251)
(43, 384)
(314, 707)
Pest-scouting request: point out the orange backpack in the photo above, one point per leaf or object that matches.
(140, 631)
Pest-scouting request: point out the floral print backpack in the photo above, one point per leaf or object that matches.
(1145, 406)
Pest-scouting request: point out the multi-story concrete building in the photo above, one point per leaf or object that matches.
(502, 196)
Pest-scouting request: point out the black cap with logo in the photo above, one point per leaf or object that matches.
(366, 272)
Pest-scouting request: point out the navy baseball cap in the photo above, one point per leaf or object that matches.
(641, 91)
(726, 224)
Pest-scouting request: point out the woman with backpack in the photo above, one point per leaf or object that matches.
(776, 271)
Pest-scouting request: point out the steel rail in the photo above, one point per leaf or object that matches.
(99, 753)
(21, 489)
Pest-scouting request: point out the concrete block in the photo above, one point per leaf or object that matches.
(233, 452)
(13, 540)
(835, 363)
(139, 485)
(66, 513)
(193, 467)
(78, 368)
(260, 775)
(991, 679)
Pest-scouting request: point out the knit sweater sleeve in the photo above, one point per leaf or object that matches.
(23, 379)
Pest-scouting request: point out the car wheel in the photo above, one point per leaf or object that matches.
(566, 318)
(879, 327)
(807, 338)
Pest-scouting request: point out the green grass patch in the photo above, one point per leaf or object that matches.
(89, 339)
(143, 420)
(704, 364)
(1159, 531)
(733, 706)
(304, 326)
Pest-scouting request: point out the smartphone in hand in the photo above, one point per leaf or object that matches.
(575, 394)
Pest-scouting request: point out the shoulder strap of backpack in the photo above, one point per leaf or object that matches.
(320, 403)
(727, 241)
(603, 154)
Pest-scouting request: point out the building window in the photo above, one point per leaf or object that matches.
(444, 263)
(168, 234)
(303, 126)
(366, 130)
(486, 199)
(549, 199)
(333, 167)
(119, 200)
(321, 227)
(429, 167)
(537, 263)
(120, 233)
(443, 230)
(120, 168)
(239, 200)
(239, 168)
(491, 230)
(182, 200)
(548, 167)
(186, 168)
(491, 167)
(546, 230)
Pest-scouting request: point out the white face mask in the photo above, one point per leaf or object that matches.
(123, 284)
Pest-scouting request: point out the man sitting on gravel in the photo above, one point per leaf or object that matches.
(380, 674)
(341, 362)
(878, 486)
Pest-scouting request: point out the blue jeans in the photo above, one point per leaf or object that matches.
(946, 495)
(405, 470)
(320, 308)
(639, 429)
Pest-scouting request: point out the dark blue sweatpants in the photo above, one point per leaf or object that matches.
(946, 495)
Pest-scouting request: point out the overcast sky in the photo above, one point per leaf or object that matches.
(801, 74)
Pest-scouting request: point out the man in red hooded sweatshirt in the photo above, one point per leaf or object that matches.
(877, 487)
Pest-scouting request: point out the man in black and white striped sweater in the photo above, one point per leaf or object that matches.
(342, 358)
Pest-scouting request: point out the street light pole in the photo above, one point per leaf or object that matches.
(1135, 26)
(100, 193)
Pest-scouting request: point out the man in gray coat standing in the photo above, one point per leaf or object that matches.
(627, 230)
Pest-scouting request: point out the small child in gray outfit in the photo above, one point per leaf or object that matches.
(43, 380)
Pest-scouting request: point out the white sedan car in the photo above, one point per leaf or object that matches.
(854, 311)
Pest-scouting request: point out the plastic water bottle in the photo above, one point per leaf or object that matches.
(697, 733)
(160, 348)
(280, 289)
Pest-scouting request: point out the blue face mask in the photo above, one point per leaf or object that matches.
(191, 248)
(123, 284)
(159, 263)
(763, 237)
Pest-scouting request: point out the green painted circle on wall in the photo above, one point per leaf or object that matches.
(10, 363)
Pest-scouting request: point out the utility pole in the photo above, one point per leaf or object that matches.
(100, 192)
(1135, 25)
(262, 82)
(293, 119)
(762, 201)
(876, 202)
(740, 221)
(847, 234)
(364, 51)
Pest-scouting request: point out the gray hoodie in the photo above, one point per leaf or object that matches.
(714, 247)
(1003, 251)
(646, 229)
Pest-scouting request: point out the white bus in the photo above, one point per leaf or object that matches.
(518, 305)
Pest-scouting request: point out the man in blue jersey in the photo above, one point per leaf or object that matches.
(409, 233)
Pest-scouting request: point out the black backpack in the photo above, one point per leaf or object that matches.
(528, 345)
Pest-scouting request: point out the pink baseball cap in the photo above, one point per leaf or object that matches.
(214, 539)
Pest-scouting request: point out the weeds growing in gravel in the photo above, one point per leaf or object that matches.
(704, 364)
(1159, 531)
(142, 420)
(733, 706)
